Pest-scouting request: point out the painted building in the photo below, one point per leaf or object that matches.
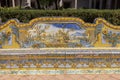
(90, 4)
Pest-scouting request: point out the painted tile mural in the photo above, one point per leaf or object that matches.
(50, 34)
(42, 35)
(54, 35)
(59, 45)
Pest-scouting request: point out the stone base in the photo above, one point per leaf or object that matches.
(60, 61)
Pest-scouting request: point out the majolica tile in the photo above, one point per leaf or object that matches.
(60, 46)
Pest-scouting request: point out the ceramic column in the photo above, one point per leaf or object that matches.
(13, 3)
(29, 3)
(115, 4)
(108, 4)
(76, 1)
(0, 3)
(94, 3)
(90, 4)
(101, 2)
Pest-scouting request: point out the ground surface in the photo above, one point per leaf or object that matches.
(61, 77)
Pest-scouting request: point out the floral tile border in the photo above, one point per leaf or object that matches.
(57, 72)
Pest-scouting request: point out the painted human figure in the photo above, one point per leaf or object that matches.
(9, 35)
